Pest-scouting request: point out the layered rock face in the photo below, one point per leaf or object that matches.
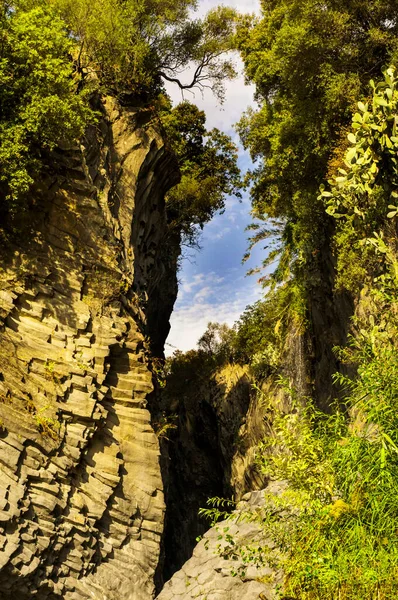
(81, 494)
(211, 452)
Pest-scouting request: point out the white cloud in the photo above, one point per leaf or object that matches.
(188, 286)
(218, 235)
(190, 321)
(205, 292)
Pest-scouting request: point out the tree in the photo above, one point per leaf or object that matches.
(39, 107)
(55, 53)
(309, 61)
(218, 341)
(209, 171)
(132, 46)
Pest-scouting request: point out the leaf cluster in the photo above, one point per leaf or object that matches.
(129, 47)
(208, 165)
(55, 54)
(39, 106)
(361, 196)
(262, 328)
(309, 62)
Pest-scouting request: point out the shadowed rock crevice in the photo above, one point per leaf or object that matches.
(210, 453)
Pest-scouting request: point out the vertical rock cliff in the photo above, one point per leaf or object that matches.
(81, 494)
(210, 453)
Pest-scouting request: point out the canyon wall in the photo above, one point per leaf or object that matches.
(218, 422)
(81, 493)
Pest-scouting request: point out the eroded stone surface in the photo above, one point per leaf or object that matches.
(212, 452)
(213, 574)
(81, 497)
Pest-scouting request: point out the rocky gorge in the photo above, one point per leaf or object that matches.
(85, 304)
(262, 465)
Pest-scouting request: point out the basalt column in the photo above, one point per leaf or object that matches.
(81, 498)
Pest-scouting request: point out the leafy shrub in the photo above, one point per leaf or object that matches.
(363, 196)
(54, 54)
(39, 107)
(334, 530)
(262, 328)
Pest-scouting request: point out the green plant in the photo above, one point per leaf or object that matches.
(48, 426)
(360, 196)
(219, 508)
(51, 373)
(58, 57)
(262, 329)
(165, 424)
(159, 371)
(334, 530)
(306, 91)
(208, 165)
(134, 46)
(39, 106)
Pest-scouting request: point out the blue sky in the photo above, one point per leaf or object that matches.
(213, 282)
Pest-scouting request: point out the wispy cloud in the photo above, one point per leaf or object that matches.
(204, 294)
(221, 302)
(190, 320)
(188, 285)
(217, 235)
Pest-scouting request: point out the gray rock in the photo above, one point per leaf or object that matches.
(216, 570)
(81, 493)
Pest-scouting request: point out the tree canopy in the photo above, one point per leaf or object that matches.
(310, 61)
(209, 171)
(54, 54)
(38, 104)
(135, 45)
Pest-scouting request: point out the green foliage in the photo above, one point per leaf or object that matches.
(262, 328)
(218, 341)
(350, 543)
(39, 107)
(216, 347)
(298, 451)
(187, 371)
(362, 193)
(209, 171)
(54, 54)
(184, 369)
(334, 529)
(309, 61)
(257, 339)
(219, 508)
(48, 426)
(164, 425)
(131, 46)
